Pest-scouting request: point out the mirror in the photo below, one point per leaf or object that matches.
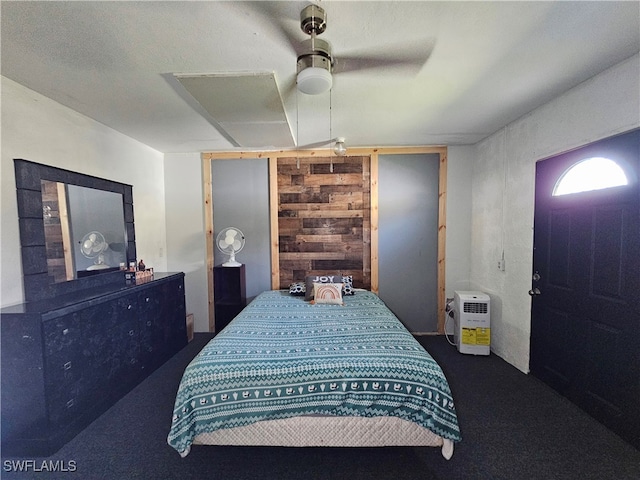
(84, 230)
(63, 213)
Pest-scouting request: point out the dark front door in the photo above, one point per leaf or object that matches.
(585, 325)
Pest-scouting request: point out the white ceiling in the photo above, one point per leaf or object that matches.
(488, 63)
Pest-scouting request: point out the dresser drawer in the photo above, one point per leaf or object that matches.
(149, 301)
(68, 401)
(61, 333)
(63, 368)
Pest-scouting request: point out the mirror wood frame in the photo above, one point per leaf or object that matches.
(37, 284)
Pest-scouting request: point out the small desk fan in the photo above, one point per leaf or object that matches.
(93, 246)
(230, 241)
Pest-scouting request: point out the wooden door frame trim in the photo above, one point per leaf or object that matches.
(272, 158)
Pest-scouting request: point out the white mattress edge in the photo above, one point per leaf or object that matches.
(321, 431)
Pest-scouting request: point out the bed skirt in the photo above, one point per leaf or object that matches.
(326, 431)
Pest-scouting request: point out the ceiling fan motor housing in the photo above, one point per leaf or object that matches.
(313, 19)
(316, 53)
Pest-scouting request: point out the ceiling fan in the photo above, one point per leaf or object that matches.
(316, 63)
(222, 98)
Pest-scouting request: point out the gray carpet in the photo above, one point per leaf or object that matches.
(513, 427)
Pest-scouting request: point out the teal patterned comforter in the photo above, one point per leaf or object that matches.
(284, 357)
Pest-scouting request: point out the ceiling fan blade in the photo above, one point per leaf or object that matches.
(322, 143)
(292, 34)
(410, 57)
(280, 18)
(288, 87)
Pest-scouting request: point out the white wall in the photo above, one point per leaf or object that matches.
(39, 129)
(186, 243)
(458, 239)
(458, 244)
(503, 192)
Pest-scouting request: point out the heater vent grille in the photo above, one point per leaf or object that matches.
(475, 307)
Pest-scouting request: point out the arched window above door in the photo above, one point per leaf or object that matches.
(594, 173)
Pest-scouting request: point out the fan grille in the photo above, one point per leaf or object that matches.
(230, 240)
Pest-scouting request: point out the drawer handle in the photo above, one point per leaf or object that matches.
(67, 366)
(146, 299)
(70, 403)
(128, 307)
(148, 323)
(65, 331)
(131, 333)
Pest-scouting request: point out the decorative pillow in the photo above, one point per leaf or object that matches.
(311, 279)
(347, 289)
(327, 293)
(297, 289)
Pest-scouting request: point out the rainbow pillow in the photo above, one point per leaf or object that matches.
(330, 293)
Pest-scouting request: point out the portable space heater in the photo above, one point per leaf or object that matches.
(472, 322)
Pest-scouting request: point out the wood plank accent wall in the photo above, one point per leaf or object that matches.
(324, 222)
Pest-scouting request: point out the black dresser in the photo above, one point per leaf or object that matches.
(65, 361)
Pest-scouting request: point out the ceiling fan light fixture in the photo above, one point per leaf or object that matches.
(339, 148)
(314, 80)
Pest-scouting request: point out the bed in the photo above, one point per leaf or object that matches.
(287, 372)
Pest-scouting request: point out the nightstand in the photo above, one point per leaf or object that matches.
(229, 294)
